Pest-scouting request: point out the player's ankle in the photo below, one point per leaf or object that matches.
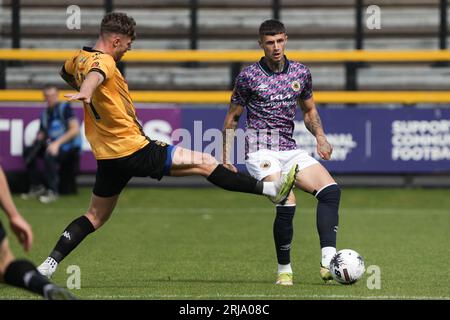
(284, 268)
(327, 254)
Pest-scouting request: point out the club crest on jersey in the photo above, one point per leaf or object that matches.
(265, 164)
(295, 85)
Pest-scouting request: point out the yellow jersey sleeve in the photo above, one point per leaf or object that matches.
(104, 64)
(69, 65)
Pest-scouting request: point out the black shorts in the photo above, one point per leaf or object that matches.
(2, 232)
(154, 160)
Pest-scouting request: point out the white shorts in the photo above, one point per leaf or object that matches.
(263, 163)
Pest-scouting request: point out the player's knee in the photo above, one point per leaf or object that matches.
(209, 163)
(329, 194)
(97, 218)
(208, 159)
(290, 200)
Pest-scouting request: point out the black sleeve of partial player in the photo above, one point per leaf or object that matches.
(68, 78)
(64, 73)
(99, 71)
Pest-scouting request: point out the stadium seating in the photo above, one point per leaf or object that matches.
(232, 24)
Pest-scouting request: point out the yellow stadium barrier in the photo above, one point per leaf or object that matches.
(238, 55)
(406, 97)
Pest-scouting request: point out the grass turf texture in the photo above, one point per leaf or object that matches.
(212, 244)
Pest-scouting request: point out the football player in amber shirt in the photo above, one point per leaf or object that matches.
(119, 144)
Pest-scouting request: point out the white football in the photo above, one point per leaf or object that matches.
(347, 266)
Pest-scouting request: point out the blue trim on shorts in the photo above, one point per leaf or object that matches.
(168, 163)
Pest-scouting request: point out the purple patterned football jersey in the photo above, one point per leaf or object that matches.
(271, 101)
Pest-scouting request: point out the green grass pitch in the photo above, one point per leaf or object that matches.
(212, 244)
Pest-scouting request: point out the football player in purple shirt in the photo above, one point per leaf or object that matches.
(270, 90)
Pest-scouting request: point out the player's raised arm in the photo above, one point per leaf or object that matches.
(229, 126)
(92, 81)
(314, 125)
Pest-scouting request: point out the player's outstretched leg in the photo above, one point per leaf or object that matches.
(98, 213)
(186, 162)
(23, 274)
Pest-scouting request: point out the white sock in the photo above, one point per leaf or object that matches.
(269, 189)
(52, 262)
(327, 254)
(283, 268)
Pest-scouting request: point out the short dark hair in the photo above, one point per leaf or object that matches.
(271, 27)
(49, 86)
(118, 22)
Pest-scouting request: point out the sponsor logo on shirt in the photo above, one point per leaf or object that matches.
(280, 97)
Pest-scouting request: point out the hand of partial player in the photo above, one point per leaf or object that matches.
(53, 149)
(231, 167)
(324, 148)
(78, 96)
(22, 230)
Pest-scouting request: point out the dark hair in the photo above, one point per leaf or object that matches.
(118, 22)
(49, 86)
(271, 27)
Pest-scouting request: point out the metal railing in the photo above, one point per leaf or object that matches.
(239, 56)
(330, 56)
(328, 97)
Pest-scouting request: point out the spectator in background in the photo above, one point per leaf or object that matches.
(58, 141)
